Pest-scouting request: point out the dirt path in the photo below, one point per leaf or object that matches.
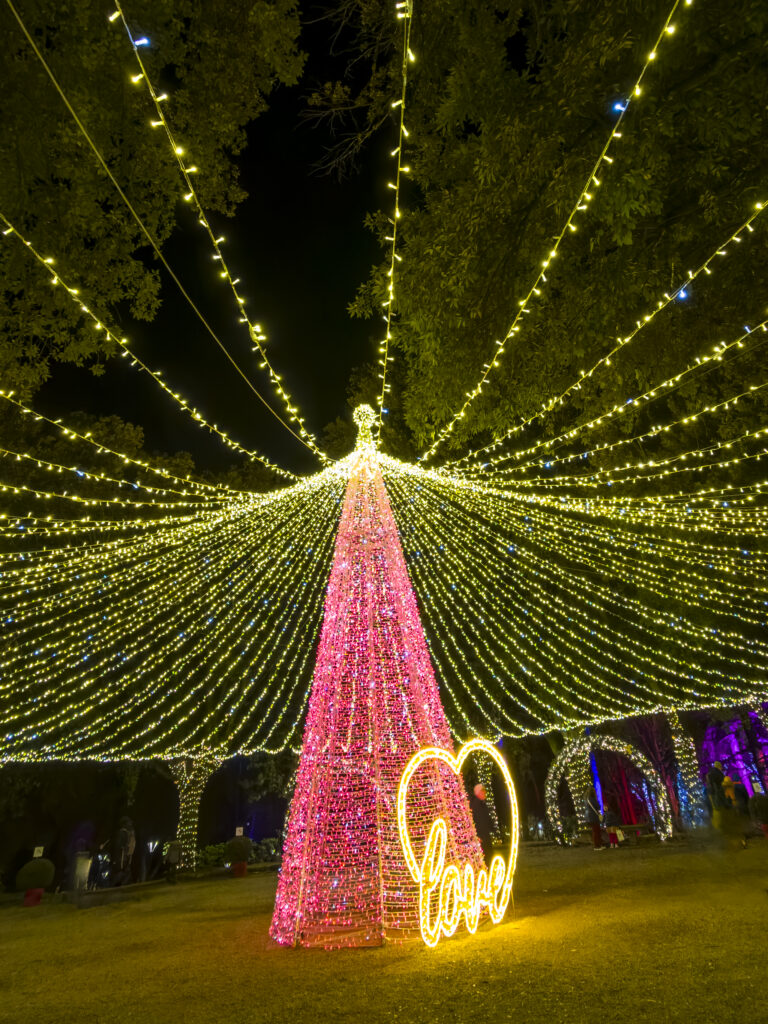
(658, 934)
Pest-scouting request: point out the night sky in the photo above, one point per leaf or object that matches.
(300, 248)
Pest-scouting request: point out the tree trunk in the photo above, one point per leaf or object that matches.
(191, 775)
(690, 785)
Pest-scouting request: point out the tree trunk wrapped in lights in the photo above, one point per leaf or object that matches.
(484, 769)
(374, 703)
(191, 775)
(690, 786)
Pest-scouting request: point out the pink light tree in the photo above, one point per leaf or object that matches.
(374, 703)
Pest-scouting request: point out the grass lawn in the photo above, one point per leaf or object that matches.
(663, 933)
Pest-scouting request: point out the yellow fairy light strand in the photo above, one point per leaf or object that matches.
(710, 508)
(73, 435)
(76, 529)
(19, 488)
(477, 565)
(621, 343)
(256, 333)
(608, 560)
(102, 735)
(486, 575)
(74, 293)
(145, 231)
(701, 361)
(405, 14)
(582, 204)
(89, 567)
(656, 466)
(507, 624)
(55, 467)
(655, 431)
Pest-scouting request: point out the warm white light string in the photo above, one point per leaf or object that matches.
(76, 576)
(404, 10)
(581, 205)
(661, 304)
(256, 333)
(706, 360)
(168, 608)
(547, 462)
(19, 488)
(511, 514)
(142, 227)
(83, 474)
(74, 435)
(122, 343)
(77, 531)
(729, 642)
(657, 468)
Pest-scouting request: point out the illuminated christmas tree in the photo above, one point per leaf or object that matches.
(374, 702)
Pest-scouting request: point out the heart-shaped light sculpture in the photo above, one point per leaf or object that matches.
(459, 894)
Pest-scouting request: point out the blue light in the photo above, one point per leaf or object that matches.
(142, 42)
(620, 107)
(682, 294)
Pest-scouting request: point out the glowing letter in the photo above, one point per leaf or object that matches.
(457, 892)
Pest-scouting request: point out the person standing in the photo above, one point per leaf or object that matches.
(741, 798)
(714, 786)
(124, 847)
(173, 860)
(592, 814)
(729, 791)
(612, 822)
(741, 806)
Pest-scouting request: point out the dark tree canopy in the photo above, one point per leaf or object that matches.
(217, 60)
(509, 105)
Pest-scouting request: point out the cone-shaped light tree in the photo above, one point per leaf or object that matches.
(374, 703)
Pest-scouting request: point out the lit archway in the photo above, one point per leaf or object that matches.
(582, 748)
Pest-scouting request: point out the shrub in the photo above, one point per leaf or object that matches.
(36, 874)
(238, 849)
(758, 805)
(211, 856)
(267, 849)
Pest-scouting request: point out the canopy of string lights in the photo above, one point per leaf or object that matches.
(564, 576)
